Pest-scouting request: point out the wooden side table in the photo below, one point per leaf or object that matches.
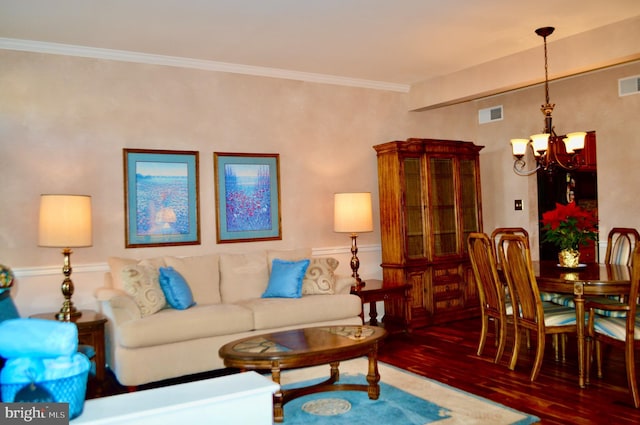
(374, 291)
(90, 332)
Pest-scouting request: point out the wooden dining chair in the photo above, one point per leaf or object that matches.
(495, 239)
(621, 242)
(493, 298)
(623, 332)
(530, 312)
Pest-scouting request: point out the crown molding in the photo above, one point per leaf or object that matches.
(136, 57)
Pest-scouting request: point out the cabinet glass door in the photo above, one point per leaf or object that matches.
(442, 200)
(414, 208)
(468, 200)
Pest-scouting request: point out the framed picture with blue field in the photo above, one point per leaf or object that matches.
(161, 198)
(247, 197)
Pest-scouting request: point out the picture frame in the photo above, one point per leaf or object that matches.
(247, 197)
(162, 206)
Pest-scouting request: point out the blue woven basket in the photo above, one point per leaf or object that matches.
(71, 389)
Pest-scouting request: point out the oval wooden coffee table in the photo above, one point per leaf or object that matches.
(308, 347)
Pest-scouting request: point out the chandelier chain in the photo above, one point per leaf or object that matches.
(546, 72)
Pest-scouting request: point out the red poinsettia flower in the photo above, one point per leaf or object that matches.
(569, 226)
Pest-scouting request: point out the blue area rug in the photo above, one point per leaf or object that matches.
(393, 407)
(405, 399)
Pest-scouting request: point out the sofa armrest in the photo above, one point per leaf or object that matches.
(344, 283)
(117, 305)
(105, 294)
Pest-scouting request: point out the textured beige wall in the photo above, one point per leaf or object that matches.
(64, 122)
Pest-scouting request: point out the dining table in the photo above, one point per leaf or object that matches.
(591, 279)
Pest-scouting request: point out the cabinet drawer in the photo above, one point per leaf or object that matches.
(446, 289)
(448, 304)
(446, 275)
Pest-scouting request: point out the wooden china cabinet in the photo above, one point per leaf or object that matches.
(429, 194)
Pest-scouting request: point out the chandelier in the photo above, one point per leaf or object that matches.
(545, 146)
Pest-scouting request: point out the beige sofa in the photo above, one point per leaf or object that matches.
(149, 341)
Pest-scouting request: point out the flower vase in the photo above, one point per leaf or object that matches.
(569, 258)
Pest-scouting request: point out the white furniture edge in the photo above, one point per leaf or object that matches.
(234, 399)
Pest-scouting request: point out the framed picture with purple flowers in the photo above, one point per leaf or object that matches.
(247, 197)
(161, 198)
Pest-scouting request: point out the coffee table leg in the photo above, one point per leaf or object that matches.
(278, 410)
(335, 372)
(373, 377)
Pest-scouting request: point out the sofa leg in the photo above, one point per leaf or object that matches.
(132, 388)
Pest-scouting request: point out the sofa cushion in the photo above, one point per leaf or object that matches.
(319, 278)
(142, 284)
(277, 312)
(202, 274)
(243, 276)
(171, 326)
(175, 288)
(285, 280)
(116, 264)
(287, 254)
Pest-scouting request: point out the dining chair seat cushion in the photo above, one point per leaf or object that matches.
(548, 296)
(568, 301)
(557, 315)
(608, 301)
(615, 327)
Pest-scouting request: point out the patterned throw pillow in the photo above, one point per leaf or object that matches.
(319, 278)
(142, 283)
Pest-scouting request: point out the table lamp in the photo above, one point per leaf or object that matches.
(352, 214)
(65, 222)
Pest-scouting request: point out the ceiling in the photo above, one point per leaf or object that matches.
(397, 42)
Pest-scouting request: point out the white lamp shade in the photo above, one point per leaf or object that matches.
(65, 221)
(519, 146)
(352, 212)
(540, 143)
(574, 141)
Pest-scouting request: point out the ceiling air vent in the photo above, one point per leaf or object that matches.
(629, 85)
(491, 114)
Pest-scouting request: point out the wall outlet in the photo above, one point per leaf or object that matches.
(518, 204)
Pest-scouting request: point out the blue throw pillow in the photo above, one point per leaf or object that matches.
(175, 289)
(285, 280)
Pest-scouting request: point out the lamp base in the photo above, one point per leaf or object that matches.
(355, 262)
(359, 284)
(67, 315)
(68, 311)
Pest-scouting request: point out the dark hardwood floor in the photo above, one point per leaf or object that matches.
(447, 354)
